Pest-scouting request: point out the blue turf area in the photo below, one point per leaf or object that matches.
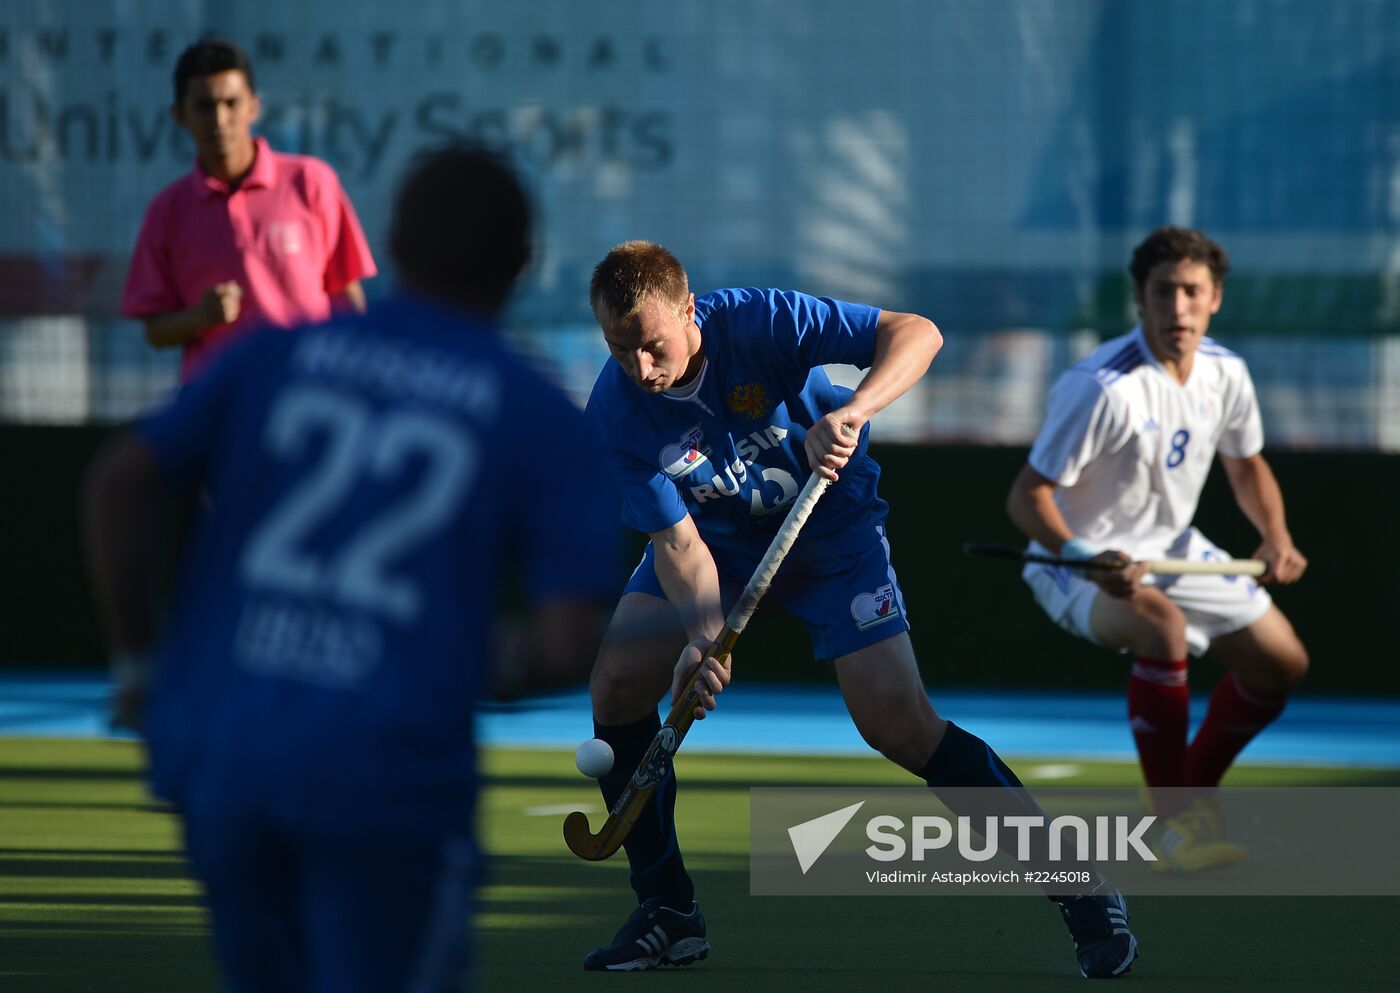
(812, 719)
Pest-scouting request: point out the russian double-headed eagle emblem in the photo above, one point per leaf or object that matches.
(749, 400)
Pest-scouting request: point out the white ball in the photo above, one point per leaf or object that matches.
(594, 758)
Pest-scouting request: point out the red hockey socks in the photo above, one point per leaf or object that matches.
(1235, 716)
(1158, 713)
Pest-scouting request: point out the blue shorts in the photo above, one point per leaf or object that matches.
(848, 602)
(292, 912)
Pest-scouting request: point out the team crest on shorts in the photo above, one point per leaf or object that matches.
(680, 460)
(870, 609)
(749, 400)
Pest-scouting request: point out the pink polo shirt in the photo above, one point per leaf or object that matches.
(288, 236)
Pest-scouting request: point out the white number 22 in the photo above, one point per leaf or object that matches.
(359, 444)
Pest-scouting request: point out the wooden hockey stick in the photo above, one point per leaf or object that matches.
(656, 763)
(1163, 567)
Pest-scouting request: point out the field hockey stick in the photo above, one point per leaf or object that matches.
(656, 763)
(1162, 567)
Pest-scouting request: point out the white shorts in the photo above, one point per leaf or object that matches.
(1214, 605)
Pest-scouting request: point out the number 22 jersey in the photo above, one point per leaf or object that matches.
(369, 484)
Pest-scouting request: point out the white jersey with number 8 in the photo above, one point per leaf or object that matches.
(1130, 447)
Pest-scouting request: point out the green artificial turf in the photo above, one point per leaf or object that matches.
(94, 894)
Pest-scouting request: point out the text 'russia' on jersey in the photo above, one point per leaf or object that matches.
(728, 448)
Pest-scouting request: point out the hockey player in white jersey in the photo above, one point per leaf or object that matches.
(1117, 470)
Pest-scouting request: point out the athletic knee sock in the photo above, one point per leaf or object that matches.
(1159, 703)
(657, 867)
(963, 759)
(1234, 717)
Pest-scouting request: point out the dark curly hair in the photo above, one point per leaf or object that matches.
(1172, 244)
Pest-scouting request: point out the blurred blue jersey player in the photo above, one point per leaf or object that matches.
(369, 482)
(714, 411)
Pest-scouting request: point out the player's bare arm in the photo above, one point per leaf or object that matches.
(687, 573)
(119, 511)
(350, 300)
(554, 646)
(905, 345)
(1032, 508)
(1259, 496)
(219, 305)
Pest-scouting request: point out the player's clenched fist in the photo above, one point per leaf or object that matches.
(714, 676)
(221, 304)
(1286, 563)
(833, 440)
(1124, 578)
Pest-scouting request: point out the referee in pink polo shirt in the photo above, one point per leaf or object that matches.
(250, 236)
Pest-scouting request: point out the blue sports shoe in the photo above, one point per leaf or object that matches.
(1098, 923)
(654, 935)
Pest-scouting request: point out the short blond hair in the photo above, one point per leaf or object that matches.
(631, 274)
